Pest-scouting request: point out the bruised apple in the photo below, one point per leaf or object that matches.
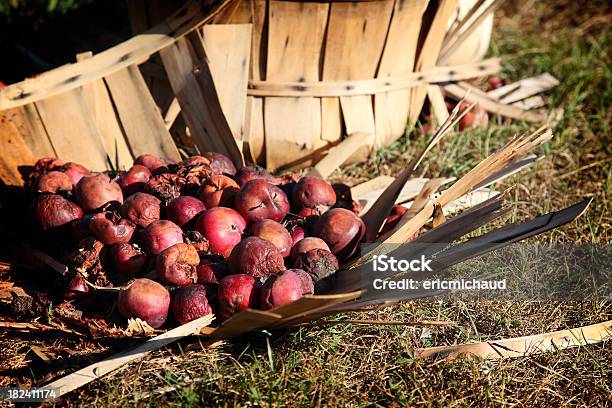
(318, 263)
(95, 191)
(141, 208)
(222, 227)
(54, 182)
(220, 163)
(75, 172)
(176, 265)
(153, 163)
(109, 228)
(134, 180)
(248, 173)
(183, 209)
(189, 303)
(160, 235)
(256, 257)
(145, 299)
(219, 191)
(52, 210)
(237, 293)
(307, 244)
(275, 233)
(258, 200)
(127, 259)
(313, 192)
(284, 287)
(342, 230)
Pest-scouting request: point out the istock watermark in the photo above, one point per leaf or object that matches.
(384, 263)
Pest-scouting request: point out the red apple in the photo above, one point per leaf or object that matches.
(176, 265)
(109, 228)
(160, 235)
(127, 259)
(313, 192)
(219, 191)
(258, 200)
(75, 172)
(297, 234)
(281, 288)
(342, 230)
(222, 227)
(145, 299)
(52, 210)
(248, 173)
(211, 271)
(153, 163)
(54, 182)
(275, 233)
(220, 163)
(256, 257)
(135, 179)
(393, 218)
(141, 208)
(189, 303)
(305, 245)
(97, 190)
(237, 293)
(318, 263)
(183, 209)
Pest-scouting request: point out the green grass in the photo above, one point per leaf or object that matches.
(374, 366)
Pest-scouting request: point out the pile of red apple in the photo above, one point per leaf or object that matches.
(191, 238)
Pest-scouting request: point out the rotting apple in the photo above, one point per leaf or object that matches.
(145, 299)
(237, 293)
(153, 163)
(54, 182)
(109, 228)
(141, 208)
(220, 163)
(219, 191)
(160, 235)
(189, 303)
(342, 230)
(75, 172)
(248, 173)
(53, 210)
(275, 233)
(127, 259)
(313, 192)
(176, 265)
(258, 200)
(318, 263)
(211, 270)
(256, 257)
(134, 180)
(222, 227)
(305, 245)
(96, 191)
(284, 287)
(183, 209)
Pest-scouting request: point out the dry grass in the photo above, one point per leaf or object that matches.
(359, 366)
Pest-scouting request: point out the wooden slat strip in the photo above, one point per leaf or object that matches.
(228, 47)
(436, 101)
(191, 79)
(429, 53)
(245, 322)
(140, 118)
(133, 51)
(375, 184)
(349, 24)
(531, 86)
(101, 107)
(533, 102)
(522, 346)
(391, 108)
(295, 35)
(339, 154)
(15, 152)
(94, 371)
(310, 305)
(72, 130)
(377, 85)
(459, 91)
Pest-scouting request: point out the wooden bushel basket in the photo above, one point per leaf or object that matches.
(323, 70)
(318, 72)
